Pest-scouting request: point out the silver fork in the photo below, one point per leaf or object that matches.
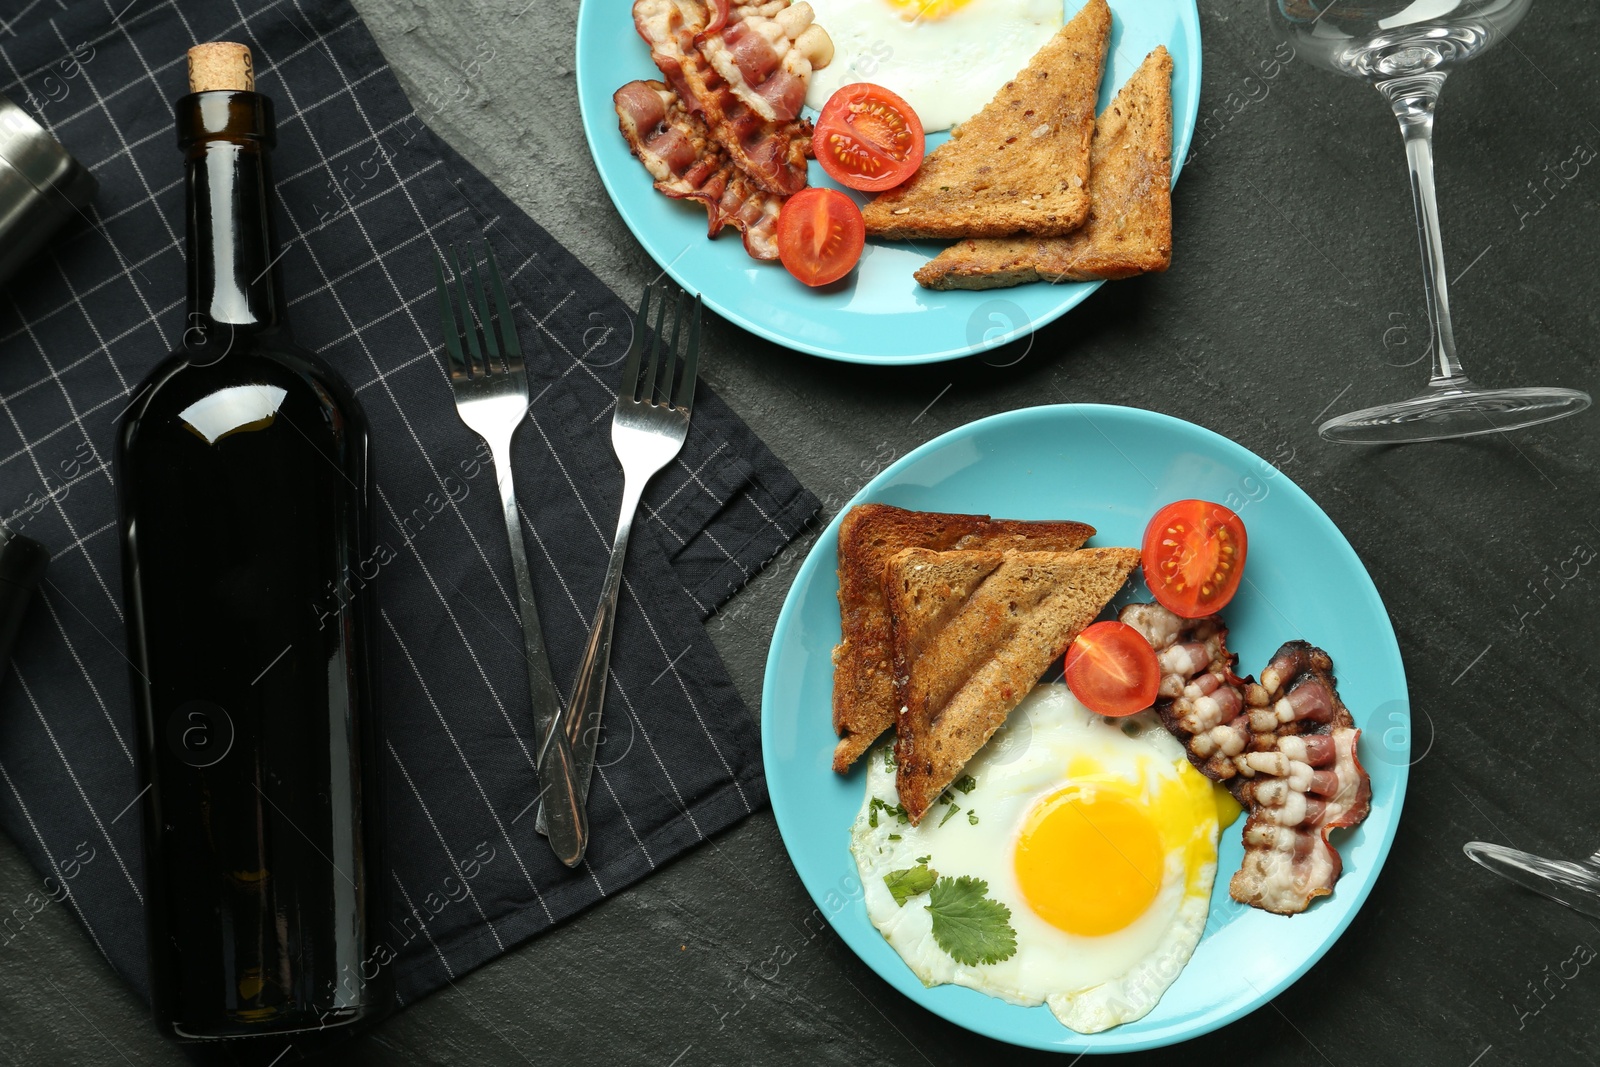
(491, 390)
(647, 431)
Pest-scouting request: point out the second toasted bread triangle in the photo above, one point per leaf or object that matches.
(1021, 165)
(972, 634)
(863, 690)
(1130, 215)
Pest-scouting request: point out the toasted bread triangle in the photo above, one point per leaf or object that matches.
(863, 691)
(1020, 165)
(1130, 214)
(972, 633)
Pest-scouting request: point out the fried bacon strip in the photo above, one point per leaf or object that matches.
(1286, 749)
(772, 152)
(669, 28)
(766, 52)
(674, 146)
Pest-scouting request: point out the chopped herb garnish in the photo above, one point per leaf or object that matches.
(879, 804)
(925, 859)
(951, 810)
(968, 925)
(894, 837)
(888, 758)
(966, 783)
(972, 816)
(907, 883)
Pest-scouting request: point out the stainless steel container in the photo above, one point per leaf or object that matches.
(41, 187)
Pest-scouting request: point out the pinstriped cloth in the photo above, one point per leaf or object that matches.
(366, 193)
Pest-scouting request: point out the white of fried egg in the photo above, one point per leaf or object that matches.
(1098, 836)
(946, 58)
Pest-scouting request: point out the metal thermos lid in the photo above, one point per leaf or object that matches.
(41, 187)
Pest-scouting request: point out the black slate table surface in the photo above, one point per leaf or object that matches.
(1295, 289)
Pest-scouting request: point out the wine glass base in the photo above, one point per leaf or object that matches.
(1454, 409)
(1577, 885)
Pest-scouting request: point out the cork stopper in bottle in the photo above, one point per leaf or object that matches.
(221, 65)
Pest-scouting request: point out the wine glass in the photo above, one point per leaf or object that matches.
(1404, 49)
(1577, 885)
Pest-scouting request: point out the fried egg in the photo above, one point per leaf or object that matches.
(1096, 834)
(946, 58)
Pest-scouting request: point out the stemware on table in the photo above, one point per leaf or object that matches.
(1405, 49)
(1575, 884)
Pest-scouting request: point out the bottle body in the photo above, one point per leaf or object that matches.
(243, 471)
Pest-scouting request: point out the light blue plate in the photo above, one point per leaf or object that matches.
(1111, 467)
(879, 314)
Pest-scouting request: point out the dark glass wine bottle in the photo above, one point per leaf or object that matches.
(243, 472)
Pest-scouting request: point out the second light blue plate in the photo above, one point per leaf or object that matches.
(879, 314)
(1111, 467)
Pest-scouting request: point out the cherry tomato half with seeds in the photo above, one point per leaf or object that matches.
(867, 138)
(820, 235)
(1193, 557)
(1112, 669)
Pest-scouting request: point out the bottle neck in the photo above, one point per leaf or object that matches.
(232, 250)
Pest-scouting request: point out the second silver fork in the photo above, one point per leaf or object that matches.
(648, 429)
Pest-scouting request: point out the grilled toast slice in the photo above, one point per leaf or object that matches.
(863, 691)
(1021, 165)
(971, 635)
(1130, 214)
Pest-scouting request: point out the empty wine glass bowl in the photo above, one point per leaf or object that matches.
(1374, 41)
(1405, 49)
(1577, 885)
(1412, 52)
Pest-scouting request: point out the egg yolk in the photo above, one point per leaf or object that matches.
(929, 10)
(1228, 809)
(1089, 861)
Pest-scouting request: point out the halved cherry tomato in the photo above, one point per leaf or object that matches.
(868, 138)
(1112, 669)
(1193, 557)
(820, 235)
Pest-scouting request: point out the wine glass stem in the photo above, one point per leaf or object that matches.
(1413, 99)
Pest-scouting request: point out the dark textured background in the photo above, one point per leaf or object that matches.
(1295, 286)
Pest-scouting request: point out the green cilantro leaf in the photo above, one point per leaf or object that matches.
(925, 859)
(894, 837)
(968, 925)
(907, 883)
(972, 816)
(879, 804)
(888, 758)
(966, 783)
(951, 810)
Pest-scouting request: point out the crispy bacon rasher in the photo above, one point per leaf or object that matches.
(675, 147)
(1285, 747)
(765, 52)
(759, 74)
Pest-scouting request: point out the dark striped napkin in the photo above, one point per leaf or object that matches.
(367, 194)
